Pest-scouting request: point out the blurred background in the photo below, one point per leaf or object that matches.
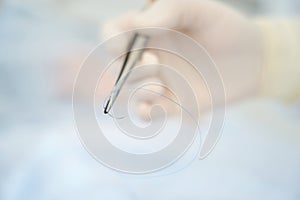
(42, 44)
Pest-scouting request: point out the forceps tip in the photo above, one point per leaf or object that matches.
(107, 107)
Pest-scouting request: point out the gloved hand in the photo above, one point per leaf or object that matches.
(233, 42)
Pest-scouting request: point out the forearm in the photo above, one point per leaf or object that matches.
(281, 68)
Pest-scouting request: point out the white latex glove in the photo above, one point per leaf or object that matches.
(231, 39)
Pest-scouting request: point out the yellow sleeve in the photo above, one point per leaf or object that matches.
(281, 68)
